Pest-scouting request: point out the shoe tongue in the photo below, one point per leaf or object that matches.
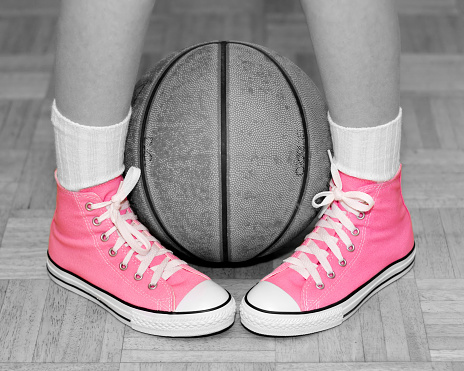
(350, 183)
(106, 190)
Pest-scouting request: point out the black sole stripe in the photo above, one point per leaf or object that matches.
(129, 304)
(340, 301)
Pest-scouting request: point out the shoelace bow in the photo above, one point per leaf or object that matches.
(134, 234)
(354, 202)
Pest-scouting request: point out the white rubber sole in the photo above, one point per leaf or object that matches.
(294, 324)
(168, 324)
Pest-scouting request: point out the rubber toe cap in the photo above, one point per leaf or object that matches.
(204, 296)
(269, 297)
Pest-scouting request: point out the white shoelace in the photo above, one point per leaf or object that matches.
(134, 234)
(354, 202)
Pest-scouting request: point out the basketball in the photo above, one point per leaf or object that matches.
(231, 139)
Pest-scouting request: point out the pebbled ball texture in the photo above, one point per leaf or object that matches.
(232, 141)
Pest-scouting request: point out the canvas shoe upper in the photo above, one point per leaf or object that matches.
(362, 242)
(100, 250)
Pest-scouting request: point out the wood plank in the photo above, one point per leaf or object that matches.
(10, 318)
(412, 320)
(25, 262)
(30, 318)
(134, 355)
(442, 289)
(22, 8)
(24, 85)
(429, 73)
(50, 328)
(71, 339)
(445, 330)
(288, 34)
(215, 7)
(396, 341)
(425, 186)
(37, 186)
(372, 331)
(446, 342)
(90, 346)
(26, 62)
(59, 366)
(427, 6)
(367, 366)
(210, 366)
(433, 257)
(453, 226)
(411, 138)
(113, 337)
(7, 192)
(440, 306)
(350, 334)
(219, 342)
(453, 355)
(19, 125)
(446, 318)
(298, 349)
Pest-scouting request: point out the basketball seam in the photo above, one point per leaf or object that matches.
(225, 209)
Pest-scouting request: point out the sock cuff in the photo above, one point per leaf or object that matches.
(58, 118)
(87, 155)
(371, 153)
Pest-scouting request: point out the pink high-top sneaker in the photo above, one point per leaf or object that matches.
(363, 242)
(99, 250)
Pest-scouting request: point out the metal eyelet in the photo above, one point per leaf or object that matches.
(88, 206)
(360, 216)
(350, 248)
(355, 232)
(331, 275)
(123, 267)
(320, 287)
(342, 263)
(112, 252)
(104, 237)
(95, 221)
(151, 286)
(138, 277)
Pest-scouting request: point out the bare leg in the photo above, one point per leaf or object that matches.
(98, 54)
(357, 47)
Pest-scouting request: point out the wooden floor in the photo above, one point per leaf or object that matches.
(414, 324)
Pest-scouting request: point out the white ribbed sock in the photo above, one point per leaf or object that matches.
(368, 153)
(87, 156)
